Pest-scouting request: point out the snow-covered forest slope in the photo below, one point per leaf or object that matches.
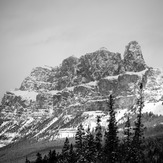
(52, 101)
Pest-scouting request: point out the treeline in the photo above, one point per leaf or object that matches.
(100, 147)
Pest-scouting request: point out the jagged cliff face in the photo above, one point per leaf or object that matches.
(133, 58)
(51, 102)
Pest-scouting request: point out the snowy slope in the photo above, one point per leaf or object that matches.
(155, 108)
(52, 102)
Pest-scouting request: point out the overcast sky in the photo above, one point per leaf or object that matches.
(44, 32)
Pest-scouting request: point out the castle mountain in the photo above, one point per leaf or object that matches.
(52, 101)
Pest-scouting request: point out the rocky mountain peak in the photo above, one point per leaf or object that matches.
(99, 64)
(89, 67)
(103, 48)
(133, 58)
(52, 101)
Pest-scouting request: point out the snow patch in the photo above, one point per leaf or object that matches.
(74, 105)
(112, 77)
(70, 88)
(120, 113)
(7, 126)
(66, 132)
(26, 95)
(98, 100)
(67, 118)
(48, 125)
(54, 92)
(46, 67)
(4, 123)
(93, 113)
(92, 119)
(10, 135)
(9, 139)
(155, 108)
(93, 83)
(141, 73)
(27, 123)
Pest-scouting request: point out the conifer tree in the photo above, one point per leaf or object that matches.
(52, 156)
(127, 141)
(72, 155)
(137, 151)
(98, 139)
(66, 147)
(45, 159)
(79, 144)
(39, 158)
(65, 150)
(26, 160)
(111, 138)
(89, 147)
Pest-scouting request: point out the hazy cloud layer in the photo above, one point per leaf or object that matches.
(38, 32)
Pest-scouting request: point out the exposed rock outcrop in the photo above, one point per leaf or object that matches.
(97, 65)
(52, 99)
(38, 79)
(133, 58)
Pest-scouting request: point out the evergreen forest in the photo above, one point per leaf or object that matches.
(105, 146)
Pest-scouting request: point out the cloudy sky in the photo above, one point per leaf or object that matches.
(44, 32)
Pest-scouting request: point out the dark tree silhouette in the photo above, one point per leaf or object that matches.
(65, 150)
(111, 138)
(127, 141)
(66, 147)
(52, 156)
(98, 139)
(89, 147)
(137, 143)
(39, 158)
(45, 159)
(72, 155)
(79, 143)
(26, 160)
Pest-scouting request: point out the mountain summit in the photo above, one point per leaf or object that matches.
(52, 101)
(133, 58)
(89, 67)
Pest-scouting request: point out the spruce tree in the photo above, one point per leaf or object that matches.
(98, 139)
(127, 141)
(111, 138)
(79, 144)
(26, 160)
(72, 155)
(137, 143)
(89, 147)
(65, 150)
(52, 156)
(39, 158)
(45, 159)
(66, 147)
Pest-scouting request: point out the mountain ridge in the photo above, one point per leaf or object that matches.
(51, 102)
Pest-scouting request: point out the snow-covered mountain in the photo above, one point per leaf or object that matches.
(52, 101)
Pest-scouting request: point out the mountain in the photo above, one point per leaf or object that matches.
(52, 101)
